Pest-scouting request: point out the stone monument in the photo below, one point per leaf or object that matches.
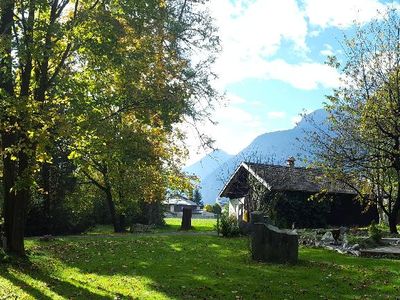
(271, 244)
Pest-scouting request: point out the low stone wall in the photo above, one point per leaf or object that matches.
(271, 244)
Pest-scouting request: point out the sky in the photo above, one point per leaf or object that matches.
(272, 65)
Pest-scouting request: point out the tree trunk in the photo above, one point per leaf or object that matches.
(15, 201)
(16, 196)
(111, 207)
(45, 174)
(22, 196)
(9, 175)
(393, 222)
(186, 219)
(106, 188)
(394, 215)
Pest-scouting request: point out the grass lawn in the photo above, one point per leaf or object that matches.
(171, 224)
(188, 266)
(198, 224)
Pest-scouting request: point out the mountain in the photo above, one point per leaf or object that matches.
(208, 163)
(273, 147)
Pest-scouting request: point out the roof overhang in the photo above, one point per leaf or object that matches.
(234, 187)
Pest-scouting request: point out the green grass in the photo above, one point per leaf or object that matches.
(197, 224)
(171, 224)
(101, 230)
(187, 266)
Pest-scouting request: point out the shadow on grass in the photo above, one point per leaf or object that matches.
(184, 266)
(41, 285)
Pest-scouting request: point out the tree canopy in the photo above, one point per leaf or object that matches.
(362, 146)
(107, 82)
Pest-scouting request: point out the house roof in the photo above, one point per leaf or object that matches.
(281, 178)
(179, 201)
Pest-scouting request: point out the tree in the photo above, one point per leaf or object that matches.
(68, 65)
(360, 145)
(139, 115)
(35, 50)
(217, 209)
(208, 208)
(129, 163)
(197, 197)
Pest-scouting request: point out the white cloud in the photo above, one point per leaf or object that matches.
(341, 13)
(234, 99)
(257, 104)
(327, 51)
(276, 114)
(296, 119)
(252, 31)
(305, 76)
(258, 26)
(314, 33)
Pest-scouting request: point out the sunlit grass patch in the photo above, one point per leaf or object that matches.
(197, 224)
(188, 267)
(171, 224)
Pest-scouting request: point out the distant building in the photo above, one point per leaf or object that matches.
(252, 183)
(175, 204)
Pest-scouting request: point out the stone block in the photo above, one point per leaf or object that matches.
(271, 244)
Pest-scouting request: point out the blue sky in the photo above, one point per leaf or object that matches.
(272, 66)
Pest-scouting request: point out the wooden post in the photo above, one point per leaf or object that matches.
(218, 224)
(186, 218)
(4, 242)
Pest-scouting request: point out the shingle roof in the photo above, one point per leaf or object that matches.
(282, 178)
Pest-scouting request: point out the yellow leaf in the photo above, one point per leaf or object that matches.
(73, 155)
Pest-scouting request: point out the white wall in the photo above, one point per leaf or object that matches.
(234, 206)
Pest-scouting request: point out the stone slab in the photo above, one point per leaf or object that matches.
(382, 251)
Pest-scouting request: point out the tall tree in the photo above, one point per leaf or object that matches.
(362, 146)
(68, 65)
(34, 49)
(197, 196)
(150, 88)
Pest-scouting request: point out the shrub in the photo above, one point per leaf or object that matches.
(228, 225)
(375, 234)
(4, 258)
(216, 209)
(208, 208)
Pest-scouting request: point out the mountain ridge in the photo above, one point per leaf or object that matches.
(271, 147)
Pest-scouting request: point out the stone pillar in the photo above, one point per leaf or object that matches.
(270, 244)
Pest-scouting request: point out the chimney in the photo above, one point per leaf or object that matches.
(290, 161)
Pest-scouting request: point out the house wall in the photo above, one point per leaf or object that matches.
(346, 210)
(296, 208)
(234, 207)
(179, 208)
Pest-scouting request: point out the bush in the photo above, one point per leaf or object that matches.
(4, 258)
(216, 209)
(228, 225)
(375, 234)
(208, 208)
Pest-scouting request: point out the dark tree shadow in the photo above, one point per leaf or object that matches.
(205, 267)
(62, 288)
(189, 267)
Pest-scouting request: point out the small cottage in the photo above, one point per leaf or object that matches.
(293, 196)
(175, 204)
